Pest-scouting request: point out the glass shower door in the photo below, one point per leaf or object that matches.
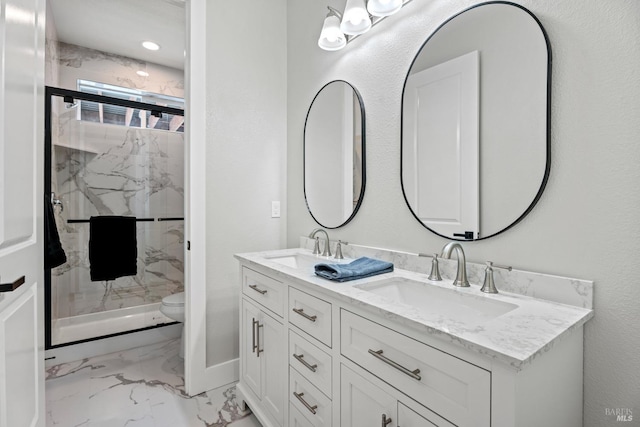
(110, 157)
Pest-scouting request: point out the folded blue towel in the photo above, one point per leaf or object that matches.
(358, 269)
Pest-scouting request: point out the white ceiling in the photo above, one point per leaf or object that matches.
(120, 26)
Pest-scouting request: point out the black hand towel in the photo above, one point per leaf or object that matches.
(113, 250)
(54, 254)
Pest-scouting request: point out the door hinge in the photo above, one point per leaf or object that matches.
(188, 245)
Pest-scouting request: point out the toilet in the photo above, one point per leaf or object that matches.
(173, 307)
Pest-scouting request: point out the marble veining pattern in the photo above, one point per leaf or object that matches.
(114, 170)
(138, 387)
(516, 337)
(564, 290)
(78, 62)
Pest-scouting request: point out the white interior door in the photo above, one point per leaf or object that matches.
(440, 146)
(21, 228)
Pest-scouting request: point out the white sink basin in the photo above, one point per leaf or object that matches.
(453, 303)
(304, 261)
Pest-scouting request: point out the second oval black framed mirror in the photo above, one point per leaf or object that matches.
(475, 122)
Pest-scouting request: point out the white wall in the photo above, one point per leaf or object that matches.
(246, 151)
(587, 223)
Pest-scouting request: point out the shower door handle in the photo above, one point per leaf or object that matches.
(10, 287)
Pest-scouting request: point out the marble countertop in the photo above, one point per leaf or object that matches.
(515, 338)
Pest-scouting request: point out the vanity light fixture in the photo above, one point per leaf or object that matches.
(383, 7)
(331, 37)
(358, 18)
(150, 45)
(355, 20)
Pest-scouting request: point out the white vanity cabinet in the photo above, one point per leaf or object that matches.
(310, 357)
(263, 349)
(362, 404)
(457, 390)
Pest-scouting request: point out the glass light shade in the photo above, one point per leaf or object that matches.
(383, 7)
(355, 19)
(331, 37)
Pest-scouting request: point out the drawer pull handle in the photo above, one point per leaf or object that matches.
(412, 374)
(311, 409)
(299, 358)
(254, 346)
(305, 315)
(385, 420)
(10, 287)
(255, 288)
(258, 350)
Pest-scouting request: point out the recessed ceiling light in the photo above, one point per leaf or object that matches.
(150, 45)
(142, 73)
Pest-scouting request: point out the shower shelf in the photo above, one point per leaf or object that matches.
(81, 221)
(84, 149)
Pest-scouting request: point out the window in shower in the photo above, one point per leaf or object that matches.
(128, 116)
(101, 162)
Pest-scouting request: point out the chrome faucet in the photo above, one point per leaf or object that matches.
(461, 275)
(327, 250)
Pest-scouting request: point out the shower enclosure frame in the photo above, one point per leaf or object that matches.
(50, 93)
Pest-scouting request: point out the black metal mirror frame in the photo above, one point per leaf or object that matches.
(364, 163)
(545, 178)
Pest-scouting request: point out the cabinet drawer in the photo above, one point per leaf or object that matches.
(264, 290)
(410, 418)
(310, 361)
(296, 419)
(308, 400)
(451, 387)
(310, 314)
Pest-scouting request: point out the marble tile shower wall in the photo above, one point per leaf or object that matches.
(112, 170)
(76, 62)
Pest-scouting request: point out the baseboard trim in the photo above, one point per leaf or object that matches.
(222, 374)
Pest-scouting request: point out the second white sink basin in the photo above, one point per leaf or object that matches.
(453, 303)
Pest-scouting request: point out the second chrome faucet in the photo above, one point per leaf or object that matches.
(461, 274)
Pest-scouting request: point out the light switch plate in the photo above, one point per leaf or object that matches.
(275, 209)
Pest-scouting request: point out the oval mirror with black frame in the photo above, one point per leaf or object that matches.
(334, 154)
(475, 122)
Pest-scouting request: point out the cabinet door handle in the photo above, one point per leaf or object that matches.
(10, 287)
(305, 315)
(299, 358)
(258, 350)
(413, 374)
(253, 336)
(311, 409)
(255, 288)
(385, 420)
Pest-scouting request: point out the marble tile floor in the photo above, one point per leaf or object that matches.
(142, 387)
